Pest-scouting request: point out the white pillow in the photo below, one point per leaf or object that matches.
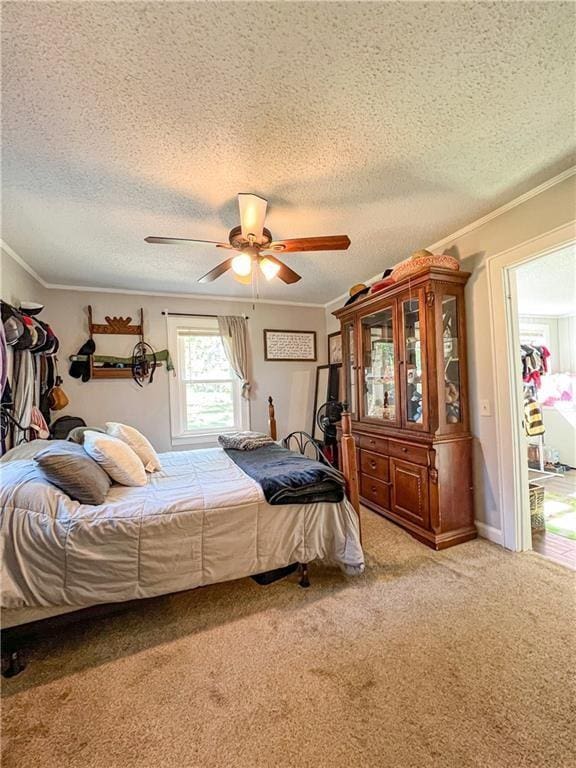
(139, 444)
(115, 457)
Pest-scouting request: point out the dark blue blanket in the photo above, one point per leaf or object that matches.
(289, 478)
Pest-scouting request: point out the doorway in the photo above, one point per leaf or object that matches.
(544, 328)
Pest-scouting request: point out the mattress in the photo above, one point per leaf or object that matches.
(198, 521)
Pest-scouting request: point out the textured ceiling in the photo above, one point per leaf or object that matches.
(395, 123)
(547, 285)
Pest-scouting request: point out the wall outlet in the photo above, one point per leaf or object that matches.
(485, 408)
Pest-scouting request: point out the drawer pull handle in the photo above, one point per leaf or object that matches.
(405, 450)
(372, 465)
(373, 489)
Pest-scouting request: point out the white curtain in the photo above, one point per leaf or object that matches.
(234, 333)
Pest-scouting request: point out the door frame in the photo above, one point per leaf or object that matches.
(512, 461)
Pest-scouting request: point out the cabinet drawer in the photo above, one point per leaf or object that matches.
(377, 444)
(375, 491)
(375, 465)
(407, 452)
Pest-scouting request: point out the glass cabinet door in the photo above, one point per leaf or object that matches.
(413, 384)
(350, 368)
(380, 391)
(451, 351)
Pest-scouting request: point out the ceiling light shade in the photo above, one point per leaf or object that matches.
(252, 215)
(269, 268)
(242, 264)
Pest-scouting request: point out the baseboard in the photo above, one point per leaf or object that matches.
(489, 532)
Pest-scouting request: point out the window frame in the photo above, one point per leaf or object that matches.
(202, 326)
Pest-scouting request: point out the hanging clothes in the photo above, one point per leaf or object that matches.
(47, 380)
(533, 421)
(534, 363)
(3, 359)
(545, 354)
(38, 424)
(24, 387)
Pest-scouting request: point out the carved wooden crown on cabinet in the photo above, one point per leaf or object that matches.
(405, 380)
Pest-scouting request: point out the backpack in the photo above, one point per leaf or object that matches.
(61, 428)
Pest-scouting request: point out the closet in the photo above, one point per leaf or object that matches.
(405, 382)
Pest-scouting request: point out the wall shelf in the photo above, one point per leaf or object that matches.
(114, 326)
(113, 373)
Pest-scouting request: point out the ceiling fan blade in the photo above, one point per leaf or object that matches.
(252, 215)
(224, 266)
(284, 273)
(326, 243)
(178, 240)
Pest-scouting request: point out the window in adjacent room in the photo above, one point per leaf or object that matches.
(205, 395)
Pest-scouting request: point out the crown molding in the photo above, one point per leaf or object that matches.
(20, 261)
(207, 297)
(481, 221)
(506, 207)
(162, 294)
(534, 315)
(168, 295)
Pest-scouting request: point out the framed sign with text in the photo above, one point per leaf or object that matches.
(290, 345)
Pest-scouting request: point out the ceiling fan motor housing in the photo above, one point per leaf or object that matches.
(240, 243)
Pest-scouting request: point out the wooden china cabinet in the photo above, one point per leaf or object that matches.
(405, 381)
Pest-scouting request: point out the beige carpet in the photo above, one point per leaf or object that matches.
(461, 658)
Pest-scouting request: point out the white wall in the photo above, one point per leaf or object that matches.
(16, 284)
(290, 384)
(567, 344)
(552, 208)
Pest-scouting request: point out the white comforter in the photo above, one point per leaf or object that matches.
(198, 521)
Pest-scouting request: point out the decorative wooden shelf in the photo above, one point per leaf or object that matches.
(114, 326)
(113, 373)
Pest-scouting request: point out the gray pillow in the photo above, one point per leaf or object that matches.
(68, 466)
(76, 435)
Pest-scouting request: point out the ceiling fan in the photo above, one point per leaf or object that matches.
(253, 242)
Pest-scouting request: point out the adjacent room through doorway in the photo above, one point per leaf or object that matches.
(546, 301)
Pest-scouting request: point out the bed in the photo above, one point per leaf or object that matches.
(199, 520)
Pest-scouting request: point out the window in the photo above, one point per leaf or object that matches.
(205, 394)
(534, 333)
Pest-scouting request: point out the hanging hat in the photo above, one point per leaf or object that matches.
(52, 341)
(40, 337)
(80, 369)
(47, 343)
(356, 292)
(13, 325)
(13, 329)
(30, 308)
(29, 336)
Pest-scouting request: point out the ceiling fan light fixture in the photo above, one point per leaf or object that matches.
(242, 264)
(250, 239)
(269, 268)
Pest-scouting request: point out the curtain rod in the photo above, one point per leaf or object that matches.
(193, 314)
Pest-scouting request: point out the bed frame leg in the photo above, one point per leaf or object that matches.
(13, 662)
(304, 580)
